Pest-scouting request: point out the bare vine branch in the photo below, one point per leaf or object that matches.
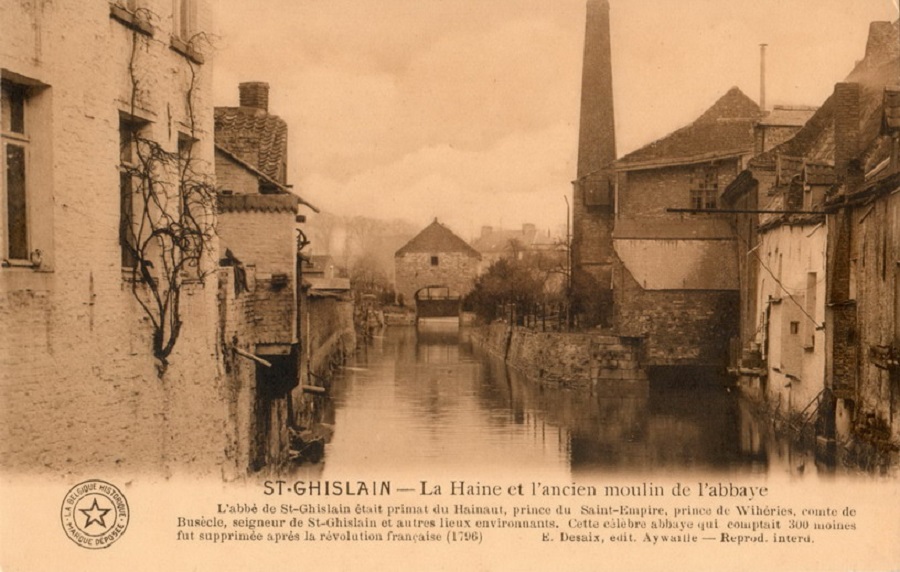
(168, 223)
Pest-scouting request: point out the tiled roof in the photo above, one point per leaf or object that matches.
(725, 129)
(437, 238)
(501, 240)
(787, 116)
(254, 136)
(258, 203)
(327, 284)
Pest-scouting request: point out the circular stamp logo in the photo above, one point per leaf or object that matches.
(94, 514)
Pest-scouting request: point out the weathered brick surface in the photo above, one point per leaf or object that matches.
(456, 270)
(232, 177)
(265, 239)
(796, 360)
(327, 331)
(79, 390)
(585, 360)
(877, 327)
(650, 192)
(680, 327)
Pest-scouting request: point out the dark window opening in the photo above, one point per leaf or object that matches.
(795, 327)
(434, 260)
(16, 208)
(129, 131)
(14, 108)
(705, 188)
(15, 180)
(126, 220)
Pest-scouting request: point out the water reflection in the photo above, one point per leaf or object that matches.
(433, 400)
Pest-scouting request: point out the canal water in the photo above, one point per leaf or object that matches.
(431, 401)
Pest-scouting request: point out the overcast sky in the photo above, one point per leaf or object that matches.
(467, 110)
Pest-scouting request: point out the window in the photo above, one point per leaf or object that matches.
(705, 188)
(16, 143)
(184, 30)
(184, 16)
(795, 328)
(129, 131)
(185, 148)
(809, 336)
(434, 260)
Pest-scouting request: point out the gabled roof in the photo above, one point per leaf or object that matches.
(437, 238)
(281, 189)
(724, 130)
(501, 240)
(787, 116)
(255, 137)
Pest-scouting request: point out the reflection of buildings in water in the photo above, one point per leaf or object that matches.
(752, 441)
(429, 396)
(692, 425)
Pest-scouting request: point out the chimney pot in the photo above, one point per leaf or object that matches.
(254, 94)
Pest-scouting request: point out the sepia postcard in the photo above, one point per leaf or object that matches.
(449, 284)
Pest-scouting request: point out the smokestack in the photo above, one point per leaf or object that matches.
(762, 77)
(846, 133)
(597, 134)
(254, 94)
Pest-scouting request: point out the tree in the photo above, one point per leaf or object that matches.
(507, 281)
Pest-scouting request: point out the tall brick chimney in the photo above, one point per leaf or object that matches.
(882, 41)
(846, 134)
(597, 135)
(254, 94)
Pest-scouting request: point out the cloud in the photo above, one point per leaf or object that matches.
(509, 183)
(451, 107)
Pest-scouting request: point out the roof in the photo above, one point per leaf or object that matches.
(321, 284)
(317, 262)
(501, 240)
(787, 116)
(815, 140)
(258, 203)
(724, 130)
(254, 136)
(891, 104)
(437, 238)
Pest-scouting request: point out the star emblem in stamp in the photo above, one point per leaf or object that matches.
(94, 514)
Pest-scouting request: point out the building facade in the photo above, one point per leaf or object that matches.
(435, 258)
(106, 110)
(260, 285)
(819, 294)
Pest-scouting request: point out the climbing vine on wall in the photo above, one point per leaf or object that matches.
(167, 227)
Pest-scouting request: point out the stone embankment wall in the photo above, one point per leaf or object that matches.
(584, 360)
(327, 334)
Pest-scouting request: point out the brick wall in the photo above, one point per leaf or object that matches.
(455, 270)
(680, 327)
(327, 331)
(650, 192)
(232, 177)
(79, 391)
(265, 239)
(877, 284)
(796, 359)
